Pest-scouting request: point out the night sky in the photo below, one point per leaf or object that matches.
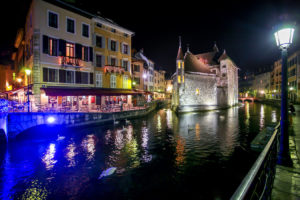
(243, 28)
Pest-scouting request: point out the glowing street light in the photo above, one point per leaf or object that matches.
(284, 38)
(19, 80)
(144, 76)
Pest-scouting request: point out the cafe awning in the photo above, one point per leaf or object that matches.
(69, 91)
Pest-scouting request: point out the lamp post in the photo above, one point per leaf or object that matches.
(28, 72)
(284, 37)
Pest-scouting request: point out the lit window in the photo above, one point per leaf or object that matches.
(179, 79)
(178, 64)
(197, 91)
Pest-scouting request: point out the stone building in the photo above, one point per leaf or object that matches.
(262, 85)
(204, 81)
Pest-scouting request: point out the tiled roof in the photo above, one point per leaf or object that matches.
(193, 64)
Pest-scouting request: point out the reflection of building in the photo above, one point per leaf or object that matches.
(169, 88)
(78, 60)
(159, 84)
(204, 81)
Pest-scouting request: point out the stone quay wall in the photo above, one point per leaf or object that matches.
(19, 122)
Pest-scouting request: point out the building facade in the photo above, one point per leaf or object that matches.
(205, 81)
(262, 85)
(76, 59)
(159, 84)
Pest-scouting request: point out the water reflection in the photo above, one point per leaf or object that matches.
(262, 117)
(170, 150)
(88, 144)
(70, 155)
(35, 191)
(48, 158)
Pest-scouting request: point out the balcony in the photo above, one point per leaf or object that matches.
(70, 61)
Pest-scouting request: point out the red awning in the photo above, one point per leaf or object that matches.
(55, 91)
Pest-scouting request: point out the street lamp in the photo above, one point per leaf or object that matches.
(28, 72)
(284, 38)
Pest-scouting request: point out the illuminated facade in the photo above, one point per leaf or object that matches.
(75, 58)
(293, 78)
(159, 84)
(204, 82)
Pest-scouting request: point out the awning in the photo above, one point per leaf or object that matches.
(68, 91)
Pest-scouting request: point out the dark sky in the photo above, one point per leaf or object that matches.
(243, 28)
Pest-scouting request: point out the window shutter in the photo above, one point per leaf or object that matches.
(78, 51)
(122, 49)
(128, 50)
(45, 44)
(91, 78)
(116, 62)
(108, 60)
(94, 39)
(117, 46)
(62, 47)
(103, 61)
(103, 42)
(109, 44)
(91, 54)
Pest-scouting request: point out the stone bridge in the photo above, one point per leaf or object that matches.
(12, 124)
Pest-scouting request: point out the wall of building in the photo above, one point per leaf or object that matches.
(198, 90)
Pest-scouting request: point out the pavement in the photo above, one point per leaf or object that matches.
(287, 179)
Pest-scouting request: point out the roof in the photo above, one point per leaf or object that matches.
(193, 64)
(179, 54)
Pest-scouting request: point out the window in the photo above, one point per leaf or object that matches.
(98, 79)
(113, 30)
(178, 64)
(179, 79)
(125, 81)
(125, 65)
(70, 25)
(113, 45)
(50, 75)
(70, 76)
(137, 80)
(113, 61)
(70, 50)
(99, 25)
(125, 48)
(99, 60)
(113, 81)
(82, 77)
(85, 30)
(125, 35)
(52, 19)
(85, 53)
(136, 68)
(99, 41)
(197, 91)
(53, 47)
(62, 76)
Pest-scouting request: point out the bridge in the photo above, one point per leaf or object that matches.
(243, 99)
(12, 124)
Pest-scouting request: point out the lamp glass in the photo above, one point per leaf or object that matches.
(28, 71)
(284, 37)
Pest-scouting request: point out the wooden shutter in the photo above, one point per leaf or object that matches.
(109, 44)
(91, 54)
(103, 61)
(117, 46)
(78, 51)
(45, 44)
(103, 42)
(62, 47)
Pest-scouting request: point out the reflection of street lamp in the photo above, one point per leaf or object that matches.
(28, 72)
(284, 37)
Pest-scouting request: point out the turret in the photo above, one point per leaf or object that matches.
(180, 64)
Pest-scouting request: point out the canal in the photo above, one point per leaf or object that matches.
(161, 156)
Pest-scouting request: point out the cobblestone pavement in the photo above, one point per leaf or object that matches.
(287, 180)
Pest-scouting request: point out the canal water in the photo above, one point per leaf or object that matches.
(161, 156)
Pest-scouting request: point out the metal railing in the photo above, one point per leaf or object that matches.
(258, 182)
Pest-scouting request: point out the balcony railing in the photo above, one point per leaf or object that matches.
(70, 61)
(258, 182)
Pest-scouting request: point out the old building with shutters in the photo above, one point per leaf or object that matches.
(204, 81)
(76, 60)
